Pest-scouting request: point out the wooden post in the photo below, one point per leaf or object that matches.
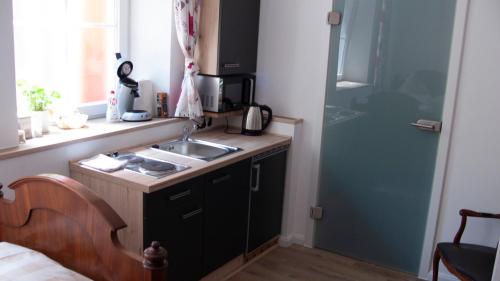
(155, 263)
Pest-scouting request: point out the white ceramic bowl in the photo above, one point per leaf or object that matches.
(75, 121)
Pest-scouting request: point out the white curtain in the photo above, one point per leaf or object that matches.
(187, 18)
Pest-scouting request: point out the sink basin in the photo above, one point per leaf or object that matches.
(197, 149)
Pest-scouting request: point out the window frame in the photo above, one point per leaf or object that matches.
(98, 109)
(347, 22)
(122, 12)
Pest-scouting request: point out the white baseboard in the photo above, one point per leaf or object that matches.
(285, 241)
(443, 276)
(288, 240)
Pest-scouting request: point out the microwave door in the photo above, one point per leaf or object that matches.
(232, 96)
(208, 88)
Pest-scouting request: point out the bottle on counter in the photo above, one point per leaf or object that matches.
(112, 114)
(162, 105)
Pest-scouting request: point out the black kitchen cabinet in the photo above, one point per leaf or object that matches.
(174, 217)
(205, 222)
(202, 222)
(229, 34)
(226, 214)
(266, 197)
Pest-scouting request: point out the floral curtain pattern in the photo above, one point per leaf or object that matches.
(187, 18)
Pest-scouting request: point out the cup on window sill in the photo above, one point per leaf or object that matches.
(25, 125)
(40, 123)
(22, 136)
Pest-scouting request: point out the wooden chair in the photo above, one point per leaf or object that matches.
(64, 220)
(467, 262)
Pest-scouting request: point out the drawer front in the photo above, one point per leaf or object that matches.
(179, 199)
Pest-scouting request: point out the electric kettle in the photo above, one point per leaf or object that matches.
(254, 121)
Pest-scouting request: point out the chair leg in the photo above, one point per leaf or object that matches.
(435, 265)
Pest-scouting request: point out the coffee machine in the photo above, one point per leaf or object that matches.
(127, 90)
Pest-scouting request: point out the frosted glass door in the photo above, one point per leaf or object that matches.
(388, 68)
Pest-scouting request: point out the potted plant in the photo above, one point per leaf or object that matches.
(38, 101)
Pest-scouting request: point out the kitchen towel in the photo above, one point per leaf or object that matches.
(104, 163)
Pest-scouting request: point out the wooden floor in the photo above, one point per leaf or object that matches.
(299, 263)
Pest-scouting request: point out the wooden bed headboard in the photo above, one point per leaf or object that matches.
(67, 222)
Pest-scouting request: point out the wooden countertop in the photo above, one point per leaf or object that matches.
(251, 146)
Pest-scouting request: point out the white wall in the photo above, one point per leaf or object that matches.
(473, 172)
(8, 123)
(154, 49)
(291, 79)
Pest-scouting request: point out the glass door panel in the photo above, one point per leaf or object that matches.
(388, 68)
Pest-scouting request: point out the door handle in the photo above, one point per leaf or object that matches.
(428, 125)
(255, 186)
(231, 65)
(221, 179)
(180, 195)
(192, 214)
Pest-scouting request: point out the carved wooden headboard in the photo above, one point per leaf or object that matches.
(66, 221)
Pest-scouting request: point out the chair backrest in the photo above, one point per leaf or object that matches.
(496, 269)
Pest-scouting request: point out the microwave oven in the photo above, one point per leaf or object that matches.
(225, 93)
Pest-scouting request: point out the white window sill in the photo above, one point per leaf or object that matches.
(95, 129)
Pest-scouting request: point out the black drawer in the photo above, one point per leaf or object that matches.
(179, 199)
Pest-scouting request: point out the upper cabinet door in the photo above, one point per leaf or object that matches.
(229, 33)
(239, 35)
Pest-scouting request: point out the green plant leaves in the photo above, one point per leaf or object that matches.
(37, 97)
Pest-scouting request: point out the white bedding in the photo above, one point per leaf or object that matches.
(23, 264)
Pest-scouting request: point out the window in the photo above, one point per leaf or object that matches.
(345, 36)
(68, 46)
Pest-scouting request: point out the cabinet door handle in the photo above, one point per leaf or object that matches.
(255, 171)
(221, 179)
(180, 195)
(231, 65)
(192, 214)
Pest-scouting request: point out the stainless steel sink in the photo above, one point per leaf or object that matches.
(197, 149)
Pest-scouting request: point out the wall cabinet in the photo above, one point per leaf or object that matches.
(229, 33)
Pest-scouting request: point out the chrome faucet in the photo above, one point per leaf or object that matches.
(186, 132)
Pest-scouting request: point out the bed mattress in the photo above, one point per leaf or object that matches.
(23, 264)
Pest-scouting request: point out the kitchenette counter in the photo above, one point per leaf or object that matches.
(250, 146)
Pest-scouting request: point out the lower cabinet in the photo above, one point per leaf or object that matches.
(201, 222)
(210, 220)
(266, 197)
(226, 214)
(174, 217)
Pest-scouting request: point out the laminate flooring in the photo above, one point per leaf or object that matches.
(299, 263)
